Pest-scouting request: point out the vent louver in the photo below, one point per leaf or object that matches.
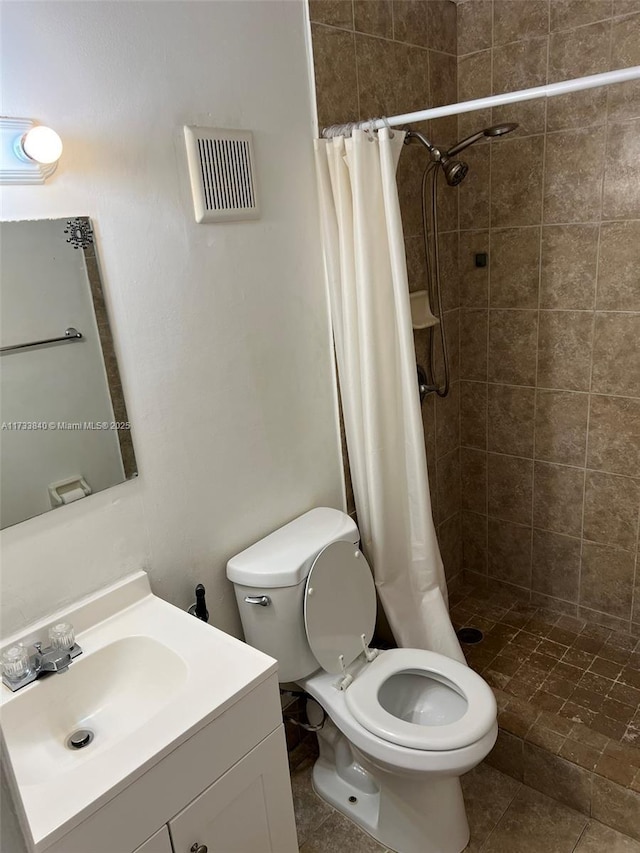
(221, 168)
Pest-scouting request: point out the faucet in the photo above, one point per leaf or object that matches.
(20, 668)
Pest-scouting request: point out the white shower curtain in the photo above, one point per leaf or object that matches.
(367, 275)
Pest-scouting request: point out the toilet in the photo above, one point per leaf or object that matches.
(398, 727)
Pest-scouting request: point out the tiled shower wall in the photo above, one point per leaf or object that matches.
(550, 330)
(383, 57)
(545, 340)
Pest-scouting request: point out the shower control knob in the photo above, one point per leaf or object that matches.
(199, 848)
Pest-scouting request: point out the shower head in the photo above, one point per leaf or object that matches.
(500, 129)
(454, 171)
(489, 132)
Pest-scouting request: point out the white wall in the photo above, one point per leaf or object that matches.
(44, 287)
(221, 330)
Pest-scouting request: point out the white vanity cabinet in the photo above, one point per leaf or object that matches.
(226, 789)
(160, 842)
(246, 811)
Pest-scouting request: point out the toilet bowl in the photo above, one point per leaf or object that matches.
(401, 725)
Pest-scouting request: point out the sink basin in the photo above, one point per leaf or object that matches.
(149, 677)
(111, 693)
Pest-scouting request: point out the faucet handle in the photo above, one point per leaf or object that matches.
(62, 636)
(16, 663)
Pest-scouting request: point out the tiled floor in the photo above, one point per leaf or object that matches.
(568, 686)
(504, 816)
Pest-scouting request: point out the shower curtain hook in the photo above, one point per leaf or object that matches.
(388, 126)
(370, 130)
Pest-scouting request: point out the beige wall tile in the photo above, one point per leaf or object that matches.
(474, 542)
(556, 565)
(577, 53)
(510, 487)
(473, 193)
(625, 41)
(514, 20)
(512, 346)
(611, 506)
(567, 14)
(474, 81)
(625, 7)
(568, 274)
(410, 21)
(443, 80)
(557, 498)
(416, 263)
(442, 26)
(564, 350)
(473, 466)
(623, 101)
(578, 109)
(452, 330)
(510, 419)
(335, 73)
(473, 343)
(515, 266)
(474, 281)
(521, 64)
(336, 13)
(574, 163)
(614, 435)
(473, 414)
(606, 579)
(516, 182)
(448, 421)
(561, 426)
(409, 179)
(474, 26)
(448, 476)
(450, 542)
(622, 172)
(449, 273)
(392, 77)
(616, 355)
(374, 17)
(528, 115)
(509, 554)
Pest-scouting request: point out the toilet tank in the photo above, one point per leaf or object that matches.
(277, 567)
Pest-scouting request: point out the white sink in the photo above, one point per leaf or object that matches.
(150, 676)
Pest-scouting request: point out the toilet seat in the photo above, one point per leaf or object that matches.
(470, 723)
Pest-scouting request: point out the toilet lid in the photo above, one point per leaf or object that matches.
(339, 605)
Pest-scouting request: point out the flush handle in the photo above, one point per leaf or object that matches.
(199, 848)
(262, 600)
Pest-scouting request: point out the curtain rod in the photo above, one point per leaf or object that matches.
(550, 90)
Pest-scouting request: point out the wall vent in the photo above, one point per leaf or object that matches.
(222, 172)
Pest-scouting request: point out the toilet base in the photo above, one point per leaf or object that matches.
(412, 813)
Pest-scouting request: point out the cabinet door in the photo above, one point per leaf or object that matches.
(158, 843)
(248, 810)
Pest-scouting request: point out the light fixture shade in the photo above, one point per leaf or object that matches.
(42, 144)
(34, 163)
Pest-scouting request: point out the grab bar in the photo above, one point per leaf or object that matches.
(70, 335)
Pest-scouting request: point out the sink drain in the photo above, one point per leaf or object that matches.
(80, 739)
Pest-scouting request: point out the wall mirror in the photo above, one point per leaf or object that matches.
(65, 432)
